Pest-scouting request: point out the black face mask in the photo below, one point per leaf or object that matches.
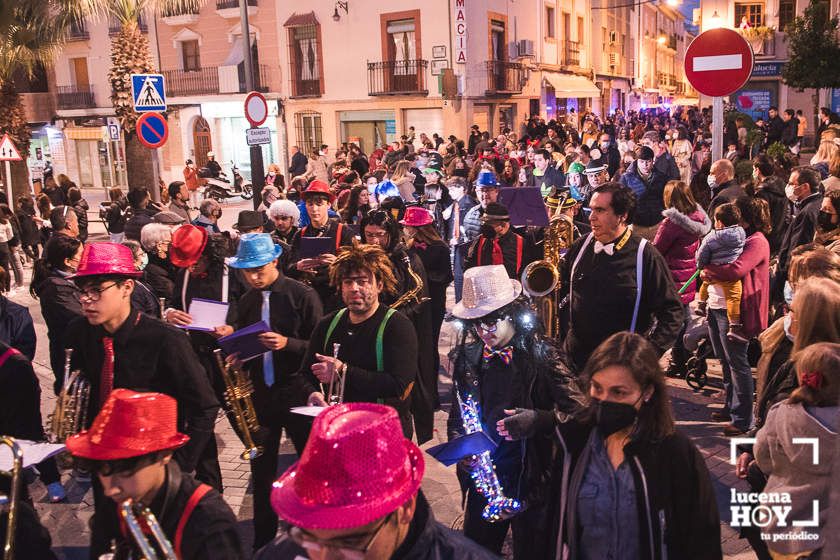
(824, 221)
(487, 231)
(611, 417)
(460, 172)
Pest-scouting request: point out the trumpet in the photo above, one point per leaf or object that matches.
(9, 503)
(71, 407)
(130, 512)
(238, 391)
(337, 381)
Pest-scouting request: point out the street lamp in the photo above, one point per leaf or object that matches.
(343, 6)
(661, 39)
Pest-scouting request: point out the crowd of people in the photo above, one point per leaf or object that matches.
(343, 275)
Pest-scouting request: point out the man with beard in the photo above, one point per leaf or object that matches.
(373, 347)
(380, 228)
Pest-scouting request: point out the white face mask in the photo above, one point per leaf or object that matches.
(456, 192)
(712, 181)
(790, 192)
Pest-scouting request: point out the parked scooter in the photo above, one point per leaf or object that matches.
(220, 188)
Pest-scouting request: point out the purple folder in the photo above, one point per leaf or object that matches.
(245, 341)
(453, 451)
(311, 247)
(525, 206)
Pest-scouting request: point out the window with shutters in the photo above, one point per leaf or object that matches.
(787, 11)
(305, 55)
(189, 56)
(754, 14)
(308, 130)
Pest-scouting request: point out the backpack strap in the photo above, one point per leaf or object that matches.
(197, 494)
(331, 328)
(380, 336)
(639, 275)
(8, 354)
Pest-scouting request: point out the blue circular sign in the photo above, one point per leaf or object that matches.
(152, 130)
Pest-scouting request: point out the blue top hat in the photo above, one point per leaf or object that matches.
(486, 178)
(255, 249)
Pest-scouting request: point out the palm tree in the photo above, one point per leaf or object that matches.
(31, 35)
(130, 54)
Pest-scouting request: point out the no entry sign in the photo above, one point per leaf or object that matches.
(718, 62)
(256, 108)
(152, 130)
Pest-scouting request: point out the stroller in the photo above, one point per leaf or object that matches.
(696, 340)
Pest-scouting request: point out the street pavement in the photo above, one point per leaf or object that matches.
(68, 521)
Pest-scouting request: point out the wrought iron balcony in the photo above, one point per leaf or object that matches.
(228, 4)
(397, 77)
(572, 54)
(504, 77)
(75, 97)
(181, 83)
(78, 32)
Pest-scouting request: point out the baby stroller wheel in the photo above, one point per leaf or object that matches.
(696, 373)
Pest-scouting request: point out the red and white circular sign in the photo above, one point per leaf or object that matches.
(256, 108)
(718, 62)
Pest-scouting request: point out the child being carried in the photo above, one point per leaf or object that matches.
(721, 246)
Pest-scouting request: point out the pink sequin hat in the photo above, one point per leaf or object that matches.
(357, 467)
(113, 259)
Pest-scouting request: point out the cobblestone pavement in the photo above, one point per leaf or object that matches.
(68, 521)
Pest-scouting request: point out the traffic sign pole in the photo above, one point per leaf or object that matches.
(9, 195)
(717, 128)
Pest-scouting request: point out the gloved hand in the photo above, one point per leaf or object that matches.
(523, 423)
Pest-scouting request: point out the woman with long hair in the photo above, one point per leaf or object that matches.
(30, 238)
(59, 296)
(404, 180)
(357, 207)
(630, 485)
(43, 217)
(14, 243)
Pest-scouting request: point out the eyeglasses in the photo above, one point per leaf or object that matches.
(349, 548)
(95, 294)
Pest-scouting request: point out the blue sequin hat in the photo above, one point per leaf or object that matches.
(255, 249)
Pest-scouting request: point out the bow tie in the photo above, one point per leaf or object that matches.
(505, 354)
(609, 248)
(420, 245)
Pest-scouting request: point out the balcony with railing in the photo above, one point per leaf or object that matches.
(504, 77)
(180, 16)
(571, 55)
(114, 26)
(397, 77)
(230, 8)
(75, 97)
(214, 80)
(78, 31)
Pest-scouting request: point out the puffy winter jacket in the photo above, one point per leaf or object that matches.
(649, 203)
(678, 238)
(721, 246)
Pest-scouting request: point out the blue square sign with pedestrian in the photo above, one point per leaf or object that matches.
(148, 93)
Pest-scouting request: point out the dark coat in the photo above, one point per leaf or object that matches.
(138, 217)
(649, 203)
(678, 514)
(159, 276)
(772, 190)
(59, 299)
(298, 165)
(20, 399)
(16, 328)
(727, 192)
(29, 234)
(801, 230)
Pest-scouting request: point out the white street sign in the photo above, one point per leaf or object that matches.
(257, 136)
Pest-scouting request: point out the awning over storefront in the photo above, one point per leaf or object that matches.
(84, 133)
(688, 101)
(569, 85)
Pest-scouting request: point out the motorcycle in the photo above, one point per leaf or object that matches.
(220, 188)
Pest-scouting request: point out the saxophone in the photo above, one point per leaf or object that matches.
(483, 473)
(412, 295)
(71, 407)
(541, 279)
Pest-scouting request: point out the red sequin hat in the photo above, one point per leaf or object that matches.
(415, 216)
(357, 467)
(113, 259)
(188, 243)
(130, 424)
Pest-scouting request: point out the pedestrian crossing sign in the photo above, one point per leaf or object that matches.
(148, 92)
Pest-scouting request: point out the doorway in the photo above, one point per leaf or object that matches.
(202, 141)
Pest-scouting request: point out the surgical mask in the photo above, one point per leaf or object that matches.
(789, 192)
(824, 221)
(144, 260)
(788, 293)
(456, 192)
(712, 181)
(488, 231)
(610, 417)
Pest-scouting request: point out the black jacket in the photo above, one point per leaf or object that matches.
(724, 193)
(20, 398)
(210, 533)
(678, 515)
(542, 382)
(775, 128)
(59, 299)
(649, 202)
(159, 276)
(150, 356)
(137, 218)
(605, 294)
(16, 327)
(320, 280)
(772, 190)
(801, 230)
(298, 165)
(29, 233)
(426, 540)
(517, 252)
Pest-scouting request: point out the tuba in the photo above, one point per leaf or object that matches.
(9, 503)
(130, 512)
(541, 279)
(71, 407)
(238, 391)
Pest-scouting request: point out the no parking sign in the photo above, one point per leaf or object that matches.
(152, 130)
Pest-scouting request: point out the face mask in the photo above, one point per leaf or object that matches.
(712, 181)
(488, 231)
(788, 292)
(824, 221)
(604, 145)
(456, 192)
(144, 260)
(789, 192)
(611, 417)
(461, 172)
(786, 322)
